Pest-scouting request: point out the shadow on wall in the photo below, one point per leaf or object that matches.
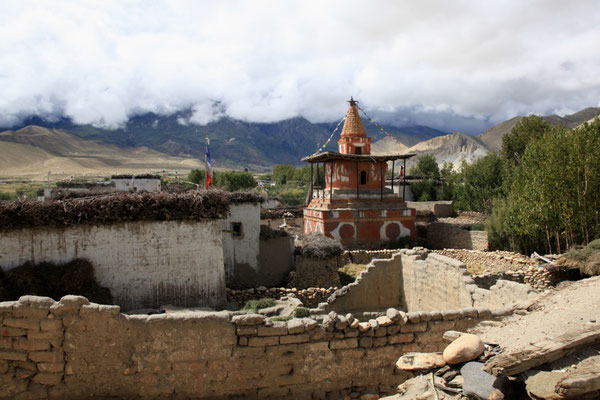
(275, 261)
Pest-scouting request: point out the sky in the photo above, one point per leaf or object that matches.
(452, 65)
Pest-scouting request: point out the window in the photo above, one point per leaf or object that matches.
(363, 177)
(236, 229)
(358, 150)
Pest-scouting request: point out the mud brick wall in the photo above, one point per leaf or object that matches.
(441, 235)
(74, 349)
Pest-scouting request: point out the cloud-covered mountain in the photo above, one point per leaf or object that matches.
(493, 136)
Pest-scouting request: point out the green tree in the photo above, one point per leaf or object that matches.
(197, 176)
(480, 184)
(283, 173)
(514, 144)
(234, 181)
(426, 168)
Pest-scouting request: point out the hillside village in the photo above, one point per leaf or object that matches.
(120, 289)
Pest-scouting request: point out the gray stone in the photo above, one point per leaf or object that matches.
(393, 314)
(36, 301)
(309, 324)
(420, 361)
(328, 323)
(480, 385)
(295, 326)
(248, 319)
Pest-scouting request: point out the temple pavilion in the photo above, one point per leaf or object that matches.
(354, 205)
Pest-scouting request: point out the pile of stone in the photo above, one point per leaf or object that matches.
(366, 256)
(455, 373)
(310, 297)
(492, 261)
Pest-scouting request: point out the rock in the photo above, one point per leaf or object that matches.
(420, 361)
(466, 348)
(384, 321)
(328, 323)
(457, 382)
(480, 385)
(451, 336)
(295, 326)
(248, 319)
(393, 314)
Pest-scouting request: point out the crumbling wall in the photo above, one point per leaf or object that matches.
(441, 235)
(502, 294)
(316, 272)
(378, 287)
(72, 349)
(144, 264)
(418, 280)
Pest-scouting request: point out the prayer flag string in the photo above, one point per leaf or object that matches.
(377, 125)
(319, 147)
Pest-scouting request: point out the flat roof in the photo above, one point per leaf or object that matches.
(331, 156)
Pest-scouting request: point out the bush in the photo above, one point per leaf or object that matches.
(302, 312)
(258, 304)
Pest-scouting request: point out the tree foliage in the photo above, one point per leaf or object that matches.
(197, 176)
(234, 181)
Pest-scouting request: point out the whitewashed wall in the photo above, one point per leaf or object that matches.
(241, 251)
(144, 264)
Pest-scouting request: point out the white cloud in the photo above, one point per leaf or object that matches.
(452, 65)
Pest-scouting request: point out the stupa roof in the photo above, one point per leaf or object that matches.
(353, 126)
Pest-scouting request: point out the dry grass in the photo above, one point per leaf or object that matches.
(475, 269)
(353, 269)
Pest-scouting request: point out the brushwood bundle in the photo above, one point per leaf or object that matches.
(121, 207)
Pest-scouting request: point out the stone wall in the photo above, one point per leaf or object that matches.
(72, 349)
(310, 297)
(315, 272)
(441, 235)
(418, 280)
(144, 264)
(438, 208)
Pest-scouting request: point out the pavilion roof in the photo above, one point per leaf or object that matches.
(331, 156)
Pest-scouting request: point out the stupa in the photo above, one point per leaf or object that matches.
(354, 205)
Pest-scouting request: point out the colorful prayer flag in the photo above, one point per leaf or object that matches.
(208, 165)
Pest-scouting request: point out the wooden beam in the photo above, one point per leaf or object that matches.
(318, 194)
(542, 352)
(331, 181)
(311, 183)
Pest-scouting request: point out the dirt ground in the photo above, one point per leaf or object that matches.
(571, 305)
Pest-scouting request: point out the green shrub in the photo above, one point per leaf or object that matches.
(302, 312)
(286, 318)
(258, 304)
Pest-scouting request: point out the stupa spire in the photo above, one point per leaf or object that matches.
(353, 127)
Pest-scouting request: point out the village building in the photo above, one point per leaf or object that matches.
(355, 206)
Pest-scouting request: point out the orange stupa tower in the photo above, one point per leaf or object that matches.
(350, 200)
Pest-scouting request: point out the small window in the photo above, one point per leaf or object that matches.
(358, 150)
(363, 177)
(236, 229)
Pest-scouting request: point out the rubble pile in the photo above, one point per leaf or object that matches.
(310, 297)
